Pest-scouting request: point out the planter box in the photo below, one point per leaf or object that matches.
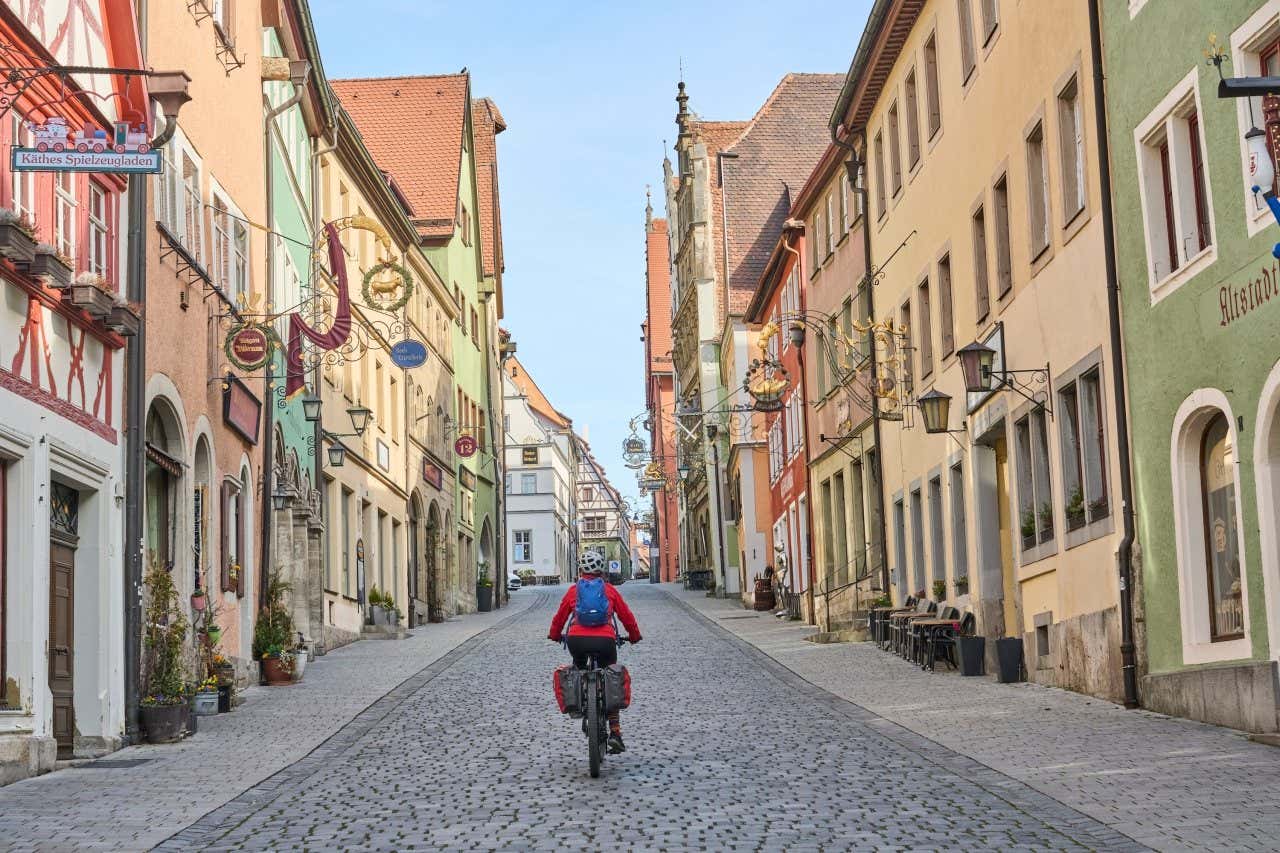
(1009, 659)
(16, 245)
(164, 723)
(971, 652)
(97, 302)
(484, 598)
(51, 268)
(275, 673)
(206, 703)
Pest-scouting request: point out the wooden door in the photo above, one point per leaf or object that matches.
(61, 645)
(1012, 618)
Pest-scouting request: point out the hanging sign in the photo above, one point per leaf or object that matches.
(465, 446)
(432, 473)
(409, 354)
(248, 346)
(124, 149)
(467, 479)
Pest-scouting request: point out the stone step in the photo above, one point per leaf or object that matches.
(383, 632)
(842, 635)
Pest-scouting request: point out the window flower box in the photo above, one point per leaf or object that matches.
(124, 320)
(52, 267)
(92, 299)
(17, 238)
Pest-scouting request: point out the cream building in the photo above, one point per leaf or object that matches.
(984, 217)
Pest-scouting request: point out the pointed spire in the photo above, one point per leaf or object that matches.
(648, 208)
(683, 117)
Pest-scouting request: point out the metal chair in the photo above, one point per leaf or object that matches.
(944, 641)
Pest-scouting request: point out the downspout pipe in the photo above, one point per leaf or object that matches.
(853, 166)
(135, 368)
(269, 394)
(1124, 553)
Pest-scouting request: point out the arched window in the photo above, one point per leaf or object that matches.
(163, 471)
(1222, 560)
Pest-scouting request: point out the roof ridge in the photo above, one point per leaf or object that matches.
(789, 77)
(397, 77)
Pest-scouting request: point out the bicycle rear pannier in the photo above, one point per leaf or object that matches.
(617, 688)
(567, 682)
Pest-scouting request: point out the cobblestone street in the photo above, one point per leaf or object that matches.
(728, 749)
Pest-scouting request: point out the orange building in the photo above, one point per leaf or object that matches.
(659, 383)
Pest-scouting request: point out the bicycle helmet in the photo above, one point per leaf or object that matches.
(591, 563)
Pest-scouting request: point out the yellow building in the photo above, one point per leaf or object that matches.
(984, 195)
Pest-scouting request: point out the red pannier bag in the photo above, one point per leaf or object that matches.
(567, 683)
(617, 688)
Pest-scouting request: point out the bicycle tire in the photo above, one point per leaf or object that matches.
(593, 724)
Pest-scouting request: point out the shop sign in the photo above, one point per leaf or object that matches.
(248, 346)
(467, 479)
(409, 354)
(241, 410)
(432, 473)
(465, 446)
(1232, 302)
(122, 150)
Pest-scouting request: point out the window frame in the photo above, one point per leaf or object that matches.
(881, 194)
(1035, 465)
(968, 48)
(1039, 202)
(911, 100)
(893, 125)
(526, 545)
(933, 87)
(924, 319)
(100, 230)
(1073, 449)
(981, 265)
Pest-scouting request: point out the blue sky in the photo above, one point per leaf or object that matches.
(588, 91)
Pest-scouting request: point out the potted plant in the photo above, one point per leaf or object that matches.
(962, 585)
(198, 600)
(91, 293)
(17, 237)
(1028, 526)
(1046, 521)
(164, 704)
(1098, 508)
(51, 266)
(484, 589)
(300, 659)
(207, 697)
(225, 675)
(273, 633)
(1075, 509)
(125, 318)
(939, 590)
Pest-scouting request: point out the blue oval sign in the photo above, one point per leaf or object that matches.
(409, 353)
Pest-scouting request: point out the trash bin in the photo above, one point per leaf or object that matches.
(972, 653)
(1009, 659)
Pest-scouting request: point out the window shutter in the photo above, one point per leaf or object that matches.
(242, 545)
(225, 555)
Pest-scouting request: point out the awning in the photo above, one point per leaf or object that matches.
(164, 461)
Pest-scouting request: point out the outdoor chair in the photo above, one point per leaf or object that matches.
(880, 620)
(920, 631)
(942, 642)
(898, 621)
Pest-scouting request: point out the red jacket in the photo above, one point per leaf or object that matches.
(620, 609)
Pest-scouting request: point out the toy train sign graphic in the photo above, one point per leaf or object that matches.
(55, 147)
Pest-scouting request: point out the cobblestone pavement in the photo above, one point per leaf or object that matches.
(135, 808)
(1167, 783)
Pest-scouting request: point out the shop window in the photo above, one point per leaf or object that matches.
(347, 556)
(839, 521)
(1035, 497)
(1218, 496)
(981, 288)
(828, 532)
(968, 55)
(931, 92)
(100, 236)
(913, 121)
(64, 213)
(522, 547)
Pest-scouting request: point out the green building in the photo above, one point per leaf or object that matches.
(1202, 339)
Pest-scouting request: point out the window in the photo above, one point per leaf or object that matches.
(828, 533)
(913, 121)
(931, 96)
(529, 456)
(917, 543)
(1084, 475)
(588, 494)
(775, 449)
(230, 251)
(1037, 191)
(968, 58)
(464, 222)
(382, 551)
(895, 150)
(475, 328)
(346, 540)
(192, 208)
(879, 155)
(840, 523)
(981, 291)
(1071, 139)
(1218, 496)
(482, 429)
(844, 202)
(24, 183)
(829, 225)
(64, 199)
(959, 527)
(1175, 191)
(522, 546)
(990, 19)
(926, 330)
(908, 374)
(1035, 499)
(4, 548)
(594, 524)
(900, 539)
(528, 484)
(224, 19)
(1004, 262)
(945, 318)
(937, 545)
(99, 231)
(857, 520)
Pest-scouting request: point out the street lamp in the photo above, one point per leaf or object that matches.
(935, 408)
(797, 334)
(337, 454)
(311, 408)
(976, 361)
(683, 470)
(278, 500)
(360, 416)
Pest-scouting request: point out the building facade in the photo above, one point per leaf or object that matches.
(660, 401)
(985, 227)
(604, 524)
(1197, 276)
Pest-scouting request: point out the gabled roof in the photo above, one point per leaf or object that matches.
(413, 127)
(486, 124)
(537, 400)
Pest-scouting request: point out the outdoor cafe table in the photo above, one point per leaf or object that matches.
(930, 628)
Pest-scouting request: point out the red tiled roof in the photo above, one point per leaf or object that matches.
(537, 400)
(413, 128)
(486, 124)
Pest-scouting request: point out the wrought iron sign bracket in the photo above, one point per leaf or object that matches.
(171, 247)
(1038, 377)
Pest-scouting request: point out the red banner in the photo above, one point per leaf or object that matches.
(295, 380)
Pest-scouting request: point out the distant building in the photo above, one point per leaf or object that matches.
(602, 516)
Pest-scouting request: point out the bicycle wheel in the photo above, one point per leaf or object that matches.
(593, 723)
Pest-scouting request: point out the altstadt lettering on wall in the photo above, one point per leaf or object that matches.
(1235, 301)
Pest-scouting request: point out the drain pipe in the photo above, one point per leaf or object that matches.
(1124, 553)
(852, 166)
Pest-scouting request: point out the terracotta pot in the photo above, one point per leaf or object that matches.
(276, 672)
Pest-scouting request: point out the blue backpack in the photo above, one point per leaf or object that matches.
(592, 608)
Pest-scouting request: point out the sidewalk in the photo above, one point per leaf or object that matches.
(1168, 783)
(136, 807)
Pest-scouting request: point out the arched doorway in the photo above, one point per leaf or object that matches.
(162, 485)
(433, 548)
(415, 559)
(1266, 456)
(202, 557)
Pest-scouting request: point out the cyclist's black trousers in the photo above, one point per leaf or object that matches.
(604, 649)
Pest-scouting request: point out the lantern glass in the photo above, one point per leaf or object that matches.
(797, 334)
(277, 500)
(337, 455)
(360, 417)
(683, 470)
(976, 362)
(1262, 171)
(935, 408)
(311, 408)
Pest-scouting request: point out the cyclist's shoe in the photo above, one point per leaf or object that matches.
(616, 745)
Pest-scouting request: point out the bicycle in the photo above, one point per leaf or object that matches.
(595, 718)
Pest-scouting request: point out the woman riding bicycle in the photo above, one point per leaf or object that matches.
(598, 641)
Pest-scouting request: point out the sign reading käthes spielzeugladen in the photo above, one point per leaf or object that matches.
(123, 149)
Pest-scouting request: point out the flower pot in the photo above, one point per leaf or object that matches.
(375, 615)
(215, 636)
(276, 672)
(484, 598)
(97, 302)
(1009, 659)
(199, 602)
(15, 244)
(972, 653)
(206, 703)
(224, 698)
(163, 723)
(51, 268)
